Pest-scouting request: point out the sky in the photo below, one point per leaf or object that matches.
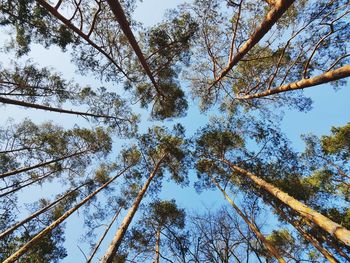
(330, 108)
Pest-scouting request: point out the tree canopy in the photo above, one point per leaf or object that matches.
(193, 106)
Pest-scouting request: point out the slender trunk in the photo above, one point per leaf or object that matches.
(157, 245)
(328, 255)
(53, 11)
(98, 244)
(118, 237)
(39, 212)
(48, 108)
(251, 225)
(335, 247)
(334, 229)
(329, 76)
(28, 184)
(271, 18)
(57, 222)
(16, 150)
(26, 169)
(124, 25)
(323, 238)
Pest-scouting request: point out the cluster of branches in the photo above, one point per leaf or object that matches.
(234, 53)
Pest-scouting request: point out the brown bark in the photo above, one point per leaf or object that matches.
(251, 225)
(39, 212)
(26, 169)
(124, 25)
(57, 222)
(53, 11)
(271, 18)
(47, 108)
(157, 245)
(328, 255)
(340, 73)
(119, 235)
(334, 229)
(98, 244)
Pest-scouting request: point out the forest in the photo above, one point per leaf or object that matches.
(133, 134)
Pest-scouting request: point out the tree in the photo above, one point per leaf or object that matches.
(272, 250)
(301, 50)
(161, 151)
(42, 89)
(160, 221)
(215, 144)
(102, 179)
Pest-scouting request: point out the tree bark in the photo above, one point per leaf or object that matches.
(334, 229)
(157, 245)
(39, 212)
(57, 222)
(328, 255)
(118, 237)
(124, 25)
(340, 73)
(251, 225)
(98, 244)
(271, 18)
(26, 169)
(47, 108)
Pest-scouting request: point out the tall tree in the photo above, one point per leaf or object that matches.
(161, 151)
(104, 183)
(160, 221)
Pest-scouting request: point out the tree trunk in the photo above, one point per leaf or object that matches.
(271, 18)
(118, 238)
(336, 230)
(328, 255)
(329, 76)
(16, 150)
(252, 226)
(26, 169)
(157, 245)
(39, 212)
(48, 108)
(57, 222)
(98, 244)
(28, 184)
(124, 25)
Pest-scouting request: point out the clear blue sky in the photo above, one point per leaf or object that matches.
(330, 108)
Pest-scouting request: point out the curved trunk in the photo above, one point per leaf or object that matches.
(39, 212)
(57, 222)
(251, 225)
(328, 255)
(48, 108)
(271, 18)
(336, 230)
(26, 169)
(119, 235)
(329, 76)
(98, 244)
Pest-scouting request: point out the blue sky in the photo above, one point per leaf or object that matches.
(330, 108)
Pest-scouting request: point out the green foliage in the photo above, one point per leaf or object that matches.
(33, 24)
(338, 142)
